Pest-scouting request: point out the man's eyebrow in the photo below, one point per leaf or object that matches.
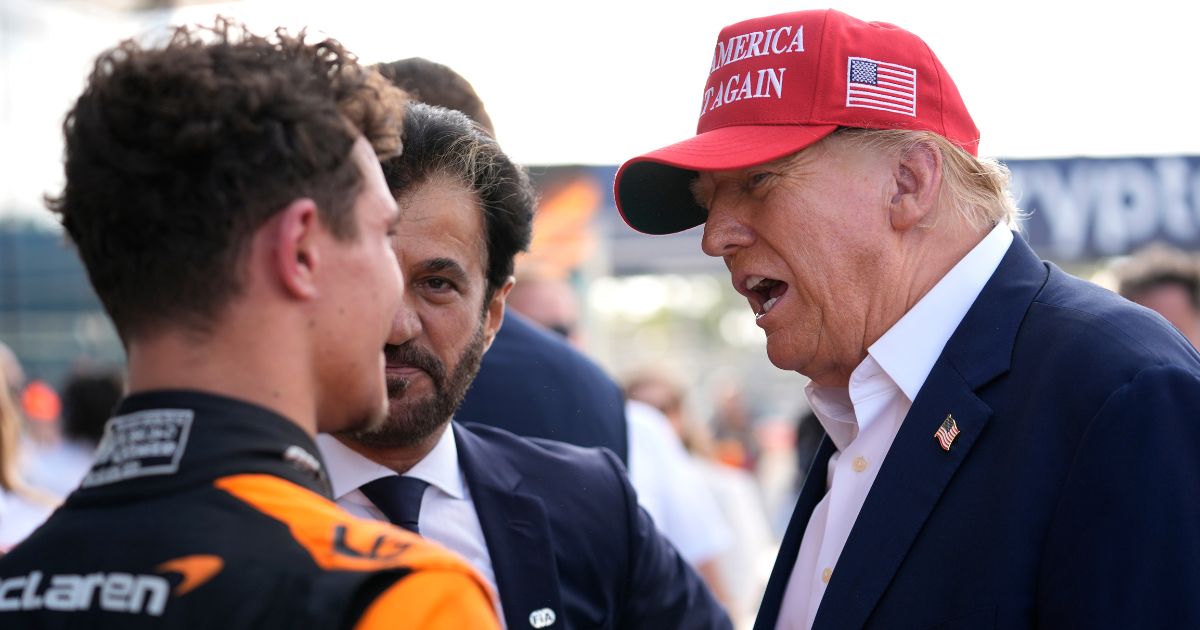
(447, 266)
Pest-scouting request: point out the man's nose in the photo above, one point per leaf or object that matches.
(406, 325)
(724, 231)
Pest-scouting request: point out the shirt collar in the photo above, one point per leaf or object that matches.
(834, 411)
(349, 470)
(908, 350)
(905, 354)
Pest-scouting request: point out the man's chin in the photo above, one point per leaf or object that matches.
(417, 387)
(377, 418)
(404, 425)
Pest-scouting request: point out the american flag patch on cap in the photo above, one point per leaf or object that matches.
(947, 433)
(881, 85)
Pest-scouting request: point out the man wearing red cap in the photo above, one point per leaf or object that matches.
(1006, 446)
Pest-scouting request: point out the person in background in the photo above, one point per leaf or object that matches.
(433, 83)
(741, 567)
(669, 486)
(1165, 280)
(1006, 446)
(21, 508)
(561, 394)
(733, 427)
(14, 376)
(224, 192)
(556, 528)
(550, 301)
(89, 397)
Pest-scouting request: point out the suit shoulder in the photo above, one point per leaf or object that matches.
(527, 454)
(1093, 324)
(520, 341)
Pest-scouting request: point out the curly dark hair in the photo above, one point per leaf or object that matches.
(176, 155)
(440, 141)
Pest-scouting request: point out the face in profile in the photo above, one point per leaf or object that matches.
(806, 240)
(362, 289)
(446, 324)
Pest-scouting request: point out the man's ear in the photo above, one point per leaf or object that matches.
(494, 313)
(918, 180)
(295, 246)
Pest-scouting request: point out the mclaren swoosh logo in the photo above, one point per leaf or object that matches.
(196, 570)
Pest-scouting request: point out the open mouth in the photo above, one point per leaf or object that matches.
(763, 293)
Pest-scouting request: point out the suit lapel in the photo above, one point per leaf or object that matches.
(810, 495)
(516, 531)
(914, 474)
(917, 469)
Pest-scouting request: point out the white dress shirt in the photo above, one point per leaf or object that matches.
(447, 514)
(671, 488)
(863, 419)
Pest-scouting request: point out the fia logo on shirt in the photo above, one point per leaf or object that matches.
(542, 618)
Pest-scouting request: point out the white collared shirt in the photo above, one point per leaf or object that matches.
(863, 419)
(448, 514)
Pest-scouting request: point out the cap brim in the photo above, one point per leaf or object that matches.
(652, 190)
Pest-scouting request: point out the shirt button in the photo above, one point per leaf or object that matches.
(860, 464)
(826, 574)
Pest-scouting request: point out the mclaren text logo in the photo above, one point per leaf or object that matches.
(114, 592)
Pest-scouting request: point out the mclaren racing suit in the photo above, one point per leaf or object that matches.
(206, 512)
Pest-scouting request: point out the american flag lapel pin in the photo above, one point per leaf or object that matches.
(947, 433)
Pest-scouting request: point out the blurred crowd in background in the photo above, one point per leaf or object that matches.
(720, 484)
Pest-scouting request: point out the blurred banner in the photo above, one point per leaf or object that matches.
(1082, 209)
(1076, 210)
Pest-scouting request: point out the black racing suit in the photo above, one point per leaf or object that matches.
(206, 512)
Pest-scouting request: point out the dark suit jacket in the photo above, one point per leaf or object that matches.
(1071, 498)
(534, 384)
(564, 532)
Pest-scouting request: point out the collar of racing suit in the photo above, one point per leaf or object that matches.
(168, 440)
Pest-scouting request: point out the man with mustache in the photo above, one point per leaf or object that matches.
(554, 527)
(563, 395)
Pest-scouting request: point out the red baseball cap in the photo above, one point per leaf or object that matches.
(781, 83)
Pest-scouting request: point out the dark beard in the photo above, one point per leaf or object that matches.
(409, 421)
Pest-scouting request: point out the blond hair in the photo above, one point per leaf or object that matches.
(976, 188)
(10, 426)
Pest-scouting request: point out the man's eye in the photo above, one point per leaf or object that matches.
(438, 284)
(757, 179)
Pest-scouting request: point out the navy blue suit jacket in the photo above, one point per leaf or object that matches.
(534, 384)
(564, 532)
(1071, 498)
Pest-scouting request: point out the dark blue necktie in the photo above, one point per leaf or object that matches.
(399, 498)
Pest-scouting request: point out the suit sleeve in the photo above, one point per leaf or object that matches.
(662, 591)
(1124, 548)
(431, 600)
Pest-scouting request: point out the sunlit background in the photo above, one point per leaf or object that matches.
(1092, 108)
(575, 88)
